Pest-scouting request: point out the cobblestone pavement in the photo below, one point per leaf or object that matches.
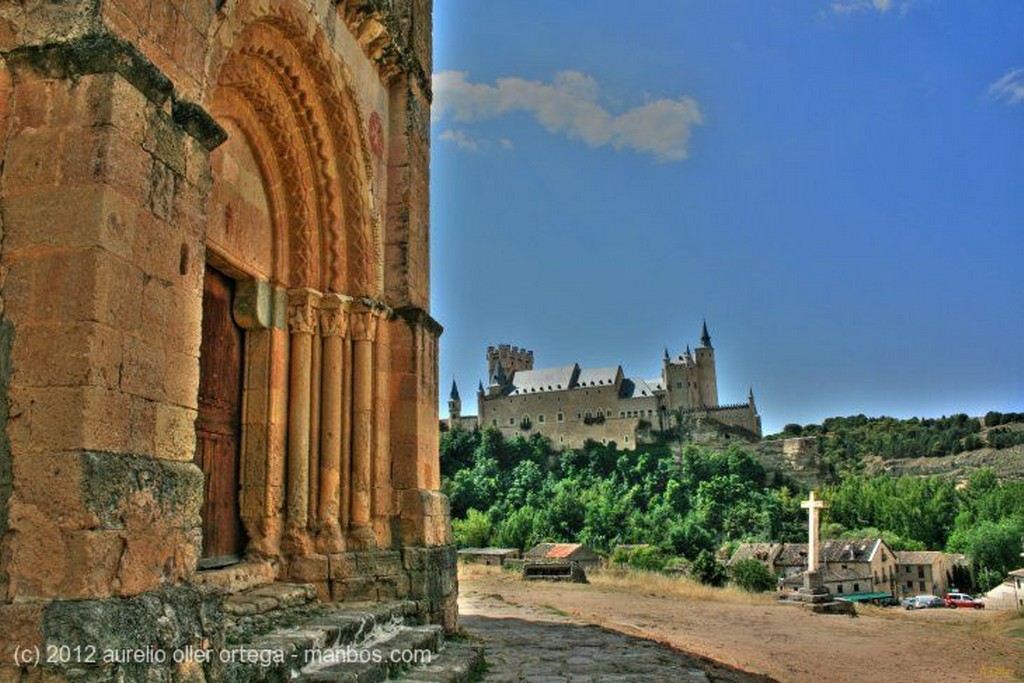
(543, 646)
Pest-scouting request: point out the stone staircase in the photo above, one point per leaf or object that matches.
(281, 632)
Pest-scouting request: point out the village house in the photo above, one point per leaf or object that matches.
(1009, 594)
(492, 557)
(564, 552)
(923, 572)
(864, 566)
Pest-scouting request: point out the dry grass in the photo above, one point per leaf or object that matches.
(651, 583)
(640, 582)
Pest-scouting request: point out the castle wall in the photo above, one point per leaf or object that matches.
(575, 406)
(741, 416)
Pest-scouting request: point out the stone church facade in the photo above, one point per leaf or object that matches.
(571, 405)
(217, 363)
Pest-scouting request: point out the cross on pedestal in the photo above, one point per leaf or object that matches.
(813, 506)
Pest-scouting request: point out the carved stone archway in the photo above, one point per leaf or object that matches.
(315, 393)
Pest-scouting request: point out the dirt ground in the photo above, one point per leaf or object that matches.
(760, 635)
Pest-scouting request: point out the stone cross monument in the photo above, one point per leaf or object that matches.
(812, 580)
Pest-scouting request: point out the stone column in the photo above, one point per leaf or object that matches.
(334, 329)
(382, 502)
(363, 327)
(302, 305)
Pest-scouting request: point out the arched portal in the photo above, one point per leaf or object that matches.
(290, 222)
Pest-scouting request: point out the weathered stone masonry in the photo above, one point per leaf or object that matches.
(148, 148)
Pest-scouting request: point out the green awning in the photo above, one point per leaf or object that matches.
(864, 597)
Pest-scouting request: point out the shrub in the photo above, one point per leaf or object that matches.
(709, 570)
(753, 576)
(474, 531)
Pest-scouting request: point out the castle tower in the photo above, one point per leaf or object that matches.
(707, 381)
(454, 403)
(509, 360)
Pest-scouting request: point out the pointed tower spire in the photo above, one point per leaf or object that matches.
(455, 392)
(480, 388)
(705, 338)
(689, 353)
(666, 353)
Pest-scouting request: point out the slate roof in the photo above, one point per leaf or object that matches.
(634, 387)
(544, 379)
(850, 549)
(792, 555)
(918, 556)
(598, 377)
(762, 552)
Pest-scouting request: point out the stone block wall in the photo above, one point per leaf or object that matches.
(110, 213)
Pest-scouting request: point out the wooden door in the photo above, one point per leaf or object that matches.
(219, 425)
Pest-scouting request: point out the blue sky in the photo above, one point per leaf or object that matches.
(838, 187)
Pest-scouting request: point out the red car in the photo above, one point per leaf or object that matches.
(955, 600)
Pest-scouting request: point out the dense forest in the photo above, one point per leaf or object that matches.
(688, 501)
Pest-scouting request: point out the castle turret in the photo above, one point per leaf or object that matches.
(707, 380)
(454, 403)
(509, 360)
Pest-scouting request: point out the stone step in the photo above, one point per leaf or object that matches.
(282, 652)
(269, 597)
(383, 657)
(455, 663)
(259, 610)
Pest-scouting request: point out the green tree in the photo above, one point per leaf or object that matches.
(708, 570)
(472, 532)
(753, 576)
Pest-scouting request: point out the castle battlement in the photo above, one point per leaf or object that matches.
(570, 404)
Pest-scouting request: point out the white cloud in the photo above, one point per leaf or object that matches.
(569, 106)
(1010, 87)
(464, 140)
(461, 140)
(879, 6)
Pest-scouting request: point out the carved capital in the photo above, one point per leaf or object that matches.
(302, 311)
(334, 312)
(363, 323)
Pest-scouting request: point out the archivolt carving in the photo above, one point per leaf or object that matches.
(284, 38)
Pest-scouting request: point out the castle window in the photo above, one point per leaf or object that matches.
(511, 420)
(494, 423)
(679, 385)
(561, 417)
(626, 438)
(540, 418)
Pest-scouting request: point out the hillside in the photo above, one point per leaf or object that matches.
(686, 501)
(951, 447)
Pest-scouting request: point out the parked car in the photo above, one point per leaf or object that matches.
(955, 600)
(923, 602)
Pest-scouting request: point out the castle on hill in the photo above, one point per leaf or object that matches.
(570, 404)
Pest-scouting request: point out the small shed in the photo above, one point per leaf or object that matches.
(564, 552)
(495, 557)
